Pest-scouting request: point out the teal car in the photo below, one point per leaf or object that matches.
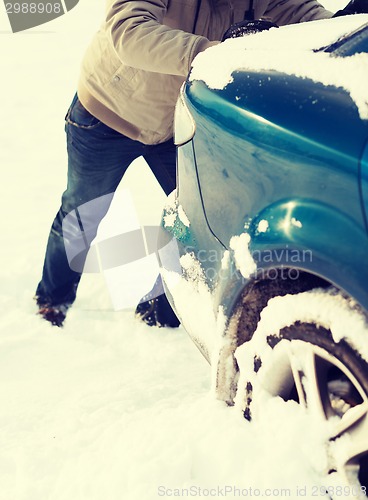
(265, 241)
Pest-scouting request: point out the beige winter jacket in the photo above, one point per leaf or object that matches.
(134, 67)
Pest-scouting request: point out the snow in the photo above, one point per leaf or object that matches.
(243, 258)
(183, 216)
(169, 220)
(225, 261)
(107, 407)
(172, 212)
(330, 310)
(262, 226)
(171, 207)
(296, 223)
(289, 49)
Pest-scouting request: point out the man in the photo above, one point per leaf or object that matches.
(129, 83)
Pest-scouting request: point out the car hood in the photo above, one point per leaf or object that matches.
(302, 50)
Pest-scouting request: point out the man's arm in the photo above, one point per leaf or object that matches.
(142, 41)
(295, 11)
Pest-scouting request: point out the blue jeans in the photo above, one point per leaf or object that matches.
(98, 157)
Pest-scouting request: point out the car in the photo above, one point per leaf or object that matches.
(264, 245)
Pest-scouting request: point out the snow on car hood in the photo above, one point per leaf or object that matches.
(290, 50)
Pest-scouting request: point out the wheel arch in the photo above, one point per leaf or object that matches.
(315, 238)
(309, 237)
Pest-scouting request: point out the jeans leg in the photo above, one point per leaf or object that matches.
(97, 160)
(154, 308)
(161, 159)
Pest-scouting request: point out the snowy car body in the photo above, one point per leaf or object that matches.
(273, 170)
(272, 201)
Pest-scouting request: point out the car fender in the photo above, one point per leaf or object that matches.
(303, 235)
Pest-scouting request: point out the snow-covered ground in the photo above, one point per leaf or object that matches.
(105, 408)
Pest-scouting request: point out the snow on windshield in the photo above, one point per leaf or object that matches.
(290, 50)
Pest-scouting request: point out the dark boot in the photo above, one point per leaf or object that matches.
(53, 314)
(154, 308)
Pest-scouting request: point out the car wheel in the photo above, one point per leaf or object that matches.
(311, 348)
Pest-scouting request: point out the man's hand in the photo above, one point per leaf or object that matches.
(353, 7)
(248, 28)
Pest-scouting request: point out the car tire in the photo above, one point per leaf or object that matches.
(245, 317)
(302, 351)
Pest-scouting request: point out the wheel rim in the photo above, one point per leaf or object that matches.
(329, 391)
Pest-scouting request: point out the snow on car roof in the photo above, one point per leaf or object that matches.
(291, 50)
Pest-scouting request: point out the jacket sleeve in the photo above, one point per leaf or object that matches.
(142, 41)
(296, 11)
